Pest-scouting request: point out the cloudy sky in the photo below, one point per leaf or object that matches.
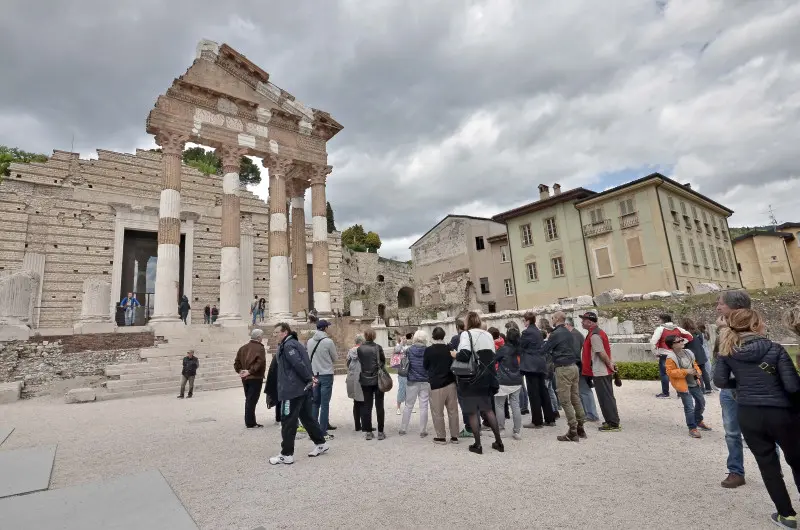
(453, 106)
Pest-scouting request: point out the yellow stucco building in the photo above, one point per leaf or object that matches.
(651, 234)
(769, 258)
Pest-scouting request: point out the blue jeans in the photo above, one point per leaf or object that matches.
(129, 316)
(551, 389)
(662, 372)
(587, 400)
(733, 433)
(322, 400)
(401, 389)
(694, 403)
(523, 398)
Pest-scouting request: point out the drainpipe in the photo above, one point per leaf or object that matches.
(511, 258)
(788, 261)
(585, 250)
(664, 224)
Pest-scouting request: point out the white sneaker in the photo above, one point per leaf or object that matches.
(398, 412)
(516, 436)
(280, 459)
(319, 450)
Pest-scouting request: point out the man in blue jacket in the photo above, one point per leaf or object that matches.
(295, 383)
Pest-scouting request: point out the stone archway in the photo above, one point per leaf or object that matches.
(405, 297)
(381, 310)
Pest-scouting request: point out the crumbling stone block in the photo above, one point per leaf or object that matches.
(80, 395)
(10, 392)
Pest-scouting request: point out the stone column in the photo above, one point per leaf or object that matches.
(230, 277)
(279, 296)
(320, 268)
(297, 191)
(169, 230)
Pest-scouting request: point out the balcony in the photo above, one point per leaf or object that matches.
(629, 220)
(595, 229)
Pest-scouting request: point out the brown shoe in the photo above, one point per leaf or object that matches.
(571, 436)
(733, 481)
(581, 431)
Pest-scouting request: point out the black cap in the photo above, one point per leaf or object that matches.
(589, 316)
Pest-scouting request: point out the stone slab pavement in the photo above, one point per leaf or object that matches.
(135, 502)
(651, 475)
(25, 470)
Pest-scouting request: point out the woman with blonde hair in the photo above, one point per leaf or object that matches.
(417, 385)
(768, 398)
(478, 390)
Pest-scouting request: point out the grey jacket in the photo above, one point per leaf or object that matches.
(325, 356)
(354, 390)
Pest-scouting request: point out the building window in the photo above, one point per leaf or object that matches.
(705, 217)
(479, 244)
(533, 272)
(504, 254)
(525, 235)
(671, 202)
(732, 261)
(703, 254)
(635, 255)
(714, 222)
(683, 208)
(694, 212)
(602, 259)
(682, 250)
(484, 285)
(558, 267)
(713, 257)
(509, 285)
(627, 207)
(693, 251)
(492, 307)
(550, 229)
(722, 263)
(597, 216)
(380, 278)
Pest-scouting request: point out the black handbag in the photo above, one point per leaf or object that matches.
(469, 367)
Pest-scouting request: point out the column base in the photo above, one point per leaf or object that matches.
(232, 322)
(277, 318)
(85, 328)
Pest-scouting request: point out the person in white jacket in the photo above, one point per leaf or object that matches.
(660, 349)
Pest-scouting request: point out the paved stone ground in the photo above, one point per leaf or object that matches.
(652, 475)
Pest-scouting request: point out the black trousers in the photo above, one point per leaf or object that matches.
(252, 389)
(278, 409)
(539, 399)
(294, 411)
(357, 414)
(762, 428)
(604, 388)
(371, 393)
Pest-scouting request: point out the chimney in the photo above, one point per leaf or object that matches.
(544, 192)
(556, 189)
(688, 185)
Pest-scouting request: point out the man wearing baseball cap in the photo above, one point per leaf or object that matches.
(596, 363)
(322, 351)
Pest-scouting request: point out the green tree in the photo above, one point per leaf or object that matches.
(209, 164)
(329, 215)
(354, 236)
(249, 173)
(14, 154)
(372, 241)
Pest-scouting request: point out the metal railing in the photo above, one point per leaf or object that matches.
(629, 220)
(594, 229)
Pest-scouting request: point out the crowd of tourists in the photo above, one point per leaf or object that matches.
(542, 370)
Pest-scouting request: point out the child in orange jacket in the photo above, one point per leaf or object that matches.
(684, 374)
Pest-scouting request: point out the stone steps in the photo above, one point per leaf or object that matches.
(171, 381)
(166, 389)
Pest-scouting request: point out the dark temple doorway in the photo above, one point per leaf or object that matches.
(310, 276)
(139, 258)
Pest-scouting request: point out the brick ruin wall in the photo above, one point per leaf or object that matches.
(61, 208)
(362, 273)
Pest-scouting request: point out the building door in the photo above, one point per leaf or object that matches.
(139, 258)
(310, 274)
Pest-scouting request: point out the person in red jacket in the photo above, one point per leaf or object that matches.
(660, 349)
(596, 363)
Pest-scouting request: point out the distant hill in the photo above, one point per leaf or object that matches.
(737, 231)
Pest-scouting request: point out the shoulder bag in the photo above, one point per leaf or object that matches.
(405, 365)
(385, 382)
(466, 368)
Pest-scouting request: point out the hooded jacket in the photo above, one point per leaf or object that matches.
(184, 306)
(531, 350)
(416, 369)
(560, 346)
(325, 356)
(752, 363)
(507, 360)
(660, 335)
(294, 369)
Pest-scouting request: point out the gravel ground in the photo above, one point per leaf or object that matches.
(652, 475)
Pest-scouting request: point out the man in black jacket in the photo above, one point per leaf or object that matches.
(190, 366)
(533, 366)
(295, 383)
(560, 346)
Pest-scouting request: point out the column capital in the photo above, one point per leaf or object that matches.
(171, 143)
(231, 157)
(319, 174)
(296, 188)
(279, 166)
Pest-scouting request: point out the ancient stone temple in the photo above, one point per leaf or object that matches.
(79, 235)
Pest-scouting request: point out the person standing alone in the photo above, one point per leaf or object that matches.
(190, 366)
(323, 356)
(129, 304)
(295, 381)
(251, 364)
